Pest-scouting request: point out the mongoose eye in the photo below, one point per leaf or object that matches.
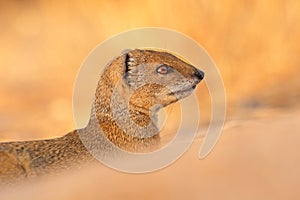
(163, 69)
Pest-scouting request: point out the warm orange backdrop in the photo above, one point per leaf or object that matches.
(255, 44)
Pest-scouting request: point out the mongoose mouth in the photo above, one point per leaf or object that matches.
(184, 92)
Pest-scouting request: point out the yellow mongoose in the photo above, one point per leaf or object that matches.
(146, 79)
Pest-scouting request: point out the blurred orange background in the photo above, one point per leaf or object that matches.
(255, 44)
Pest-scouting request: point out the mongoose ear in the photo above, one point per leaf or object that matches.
(130, 62)
(129, 59)
(117, 68)
(123, 64)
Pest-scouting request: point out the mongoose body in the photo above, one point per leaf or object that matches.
(130, 91)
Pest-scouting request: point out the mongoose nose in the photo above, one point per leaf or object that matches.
(199, 74)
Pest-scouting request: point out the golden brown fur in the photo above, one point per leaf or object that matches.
(123, 80)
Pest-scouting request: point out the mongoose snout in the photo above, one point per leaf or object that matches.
(199, 74)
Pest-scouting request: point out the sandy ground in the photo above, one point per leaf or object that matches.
(254, 159)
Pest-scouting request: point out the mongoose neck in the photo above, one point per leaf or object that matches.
(124, 123)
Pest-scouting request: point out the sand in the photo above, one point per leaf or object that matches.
(254, 159)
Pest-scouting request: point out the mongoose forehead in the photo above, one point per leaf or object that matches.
(161, 57)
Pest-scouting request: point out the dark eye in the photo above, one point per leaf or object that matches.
(163, 69)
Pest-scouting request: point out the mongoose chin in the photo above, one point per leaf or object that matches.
(130, 91)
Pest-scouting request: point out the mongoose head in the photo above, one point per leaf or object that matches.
(135, 85)
(147, 80)
(158, 78)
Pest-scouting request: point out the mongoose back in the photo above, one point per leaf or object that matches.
(131, 90)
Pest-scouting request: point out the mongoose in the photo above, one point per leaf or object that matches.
(131, 89)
